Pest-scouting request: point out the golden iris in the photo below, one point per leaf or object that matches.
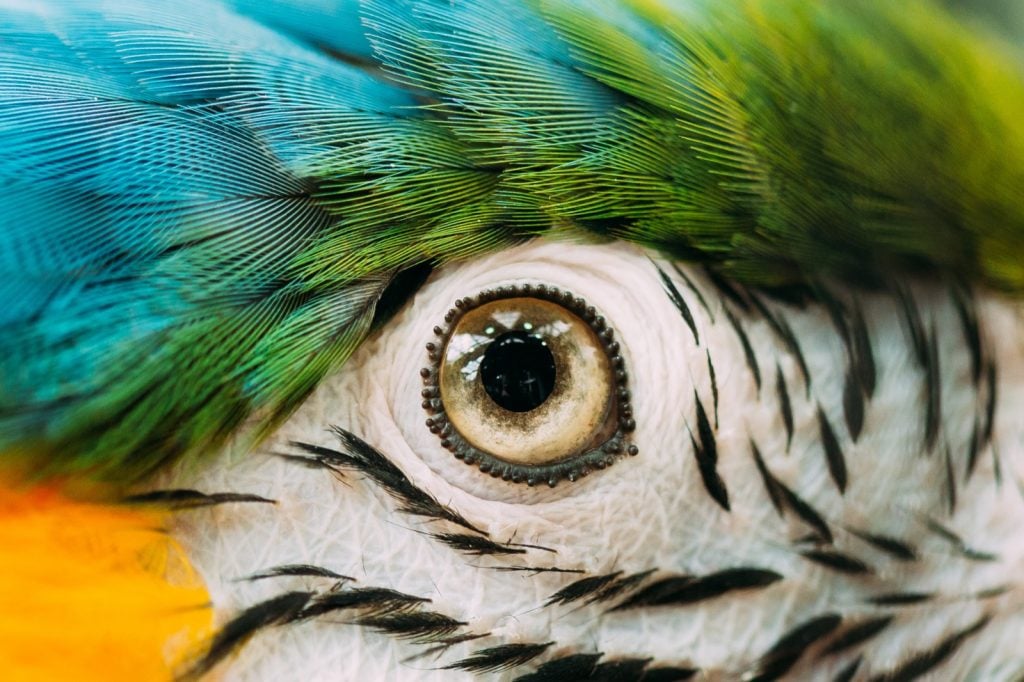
(528, 384)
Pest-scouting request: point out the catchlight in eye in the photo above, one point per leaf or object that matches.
(527, 383)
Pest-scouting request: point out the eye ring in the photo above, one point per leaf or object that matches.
(621, 422)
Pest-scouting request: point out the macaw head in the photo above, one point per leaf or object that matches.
(531, 339)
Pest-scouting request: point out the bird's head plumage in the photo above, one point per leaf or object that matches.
(230, 228)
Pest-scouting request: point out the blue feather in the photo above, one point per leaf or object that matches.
(334, 24)
(156, 173)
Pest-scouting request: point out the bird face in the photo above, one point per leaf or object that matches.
(826, 488)
(783, 441)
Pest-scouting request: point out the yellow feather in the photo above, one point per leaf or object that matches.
(92, 591)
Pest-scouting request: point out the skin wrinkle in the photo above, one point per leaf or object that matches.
(648, 512)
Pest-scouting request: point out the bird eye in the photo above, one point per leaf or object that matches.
(527, 383)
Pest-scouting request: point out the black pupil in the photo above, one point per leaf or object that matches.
(518, 371)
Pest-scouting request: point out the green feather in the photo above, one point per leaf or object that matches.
(782, 139)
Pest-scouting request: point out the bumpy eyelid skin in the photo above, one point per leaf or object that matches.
(599, 279)
(583, 425)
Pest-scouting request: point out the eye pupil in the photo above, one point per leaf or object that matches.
(518, 371)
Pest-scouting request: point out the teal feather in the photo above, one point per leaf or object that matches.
(156, 191)
(203, 205)
(331, 24)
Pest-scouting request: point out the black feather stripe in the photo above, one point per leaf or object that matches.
(771, 485)
(620, 586)
(785, 334)
(572, 667)
(361, 456)
(414, 499)
(667, 674)
(727, 289)
(534, 569)
(185, 499)
(778, 660)
(857, 634)
(381, 609)
(973, 448)
(913, 322)
(901, 599)
(964, 303)
(619, 671)
(836, 311)
(866, 370)
(997, 466)
(580, 667)
(859, 380)
(789, 339)
(991, 396)
(714, 386)
(853, 405)
(837, 561)
(783, 497)
(499, 658)
(850, 671)
(445, 643)
(683, 590)
(313, 462)
(833, 453)
(950, 481)
(324, 455)
(476, 545)
(993, 592)
(303, 570)
(706, 454)
(420, 627)
(807, 513)
(957, 543)
(237, 631)
(582, 588)
(926, 661)
(696, 291)
(372, 601)
(785, 407)
(897, 549)
(748, 350)
(680, 303)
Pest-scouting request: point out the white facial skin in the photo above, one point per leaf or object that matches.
(652, 511)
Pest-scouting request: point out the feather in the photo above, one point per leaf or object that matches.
(201, 210)
(334, 24)
(157, 166)
(93, 591)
